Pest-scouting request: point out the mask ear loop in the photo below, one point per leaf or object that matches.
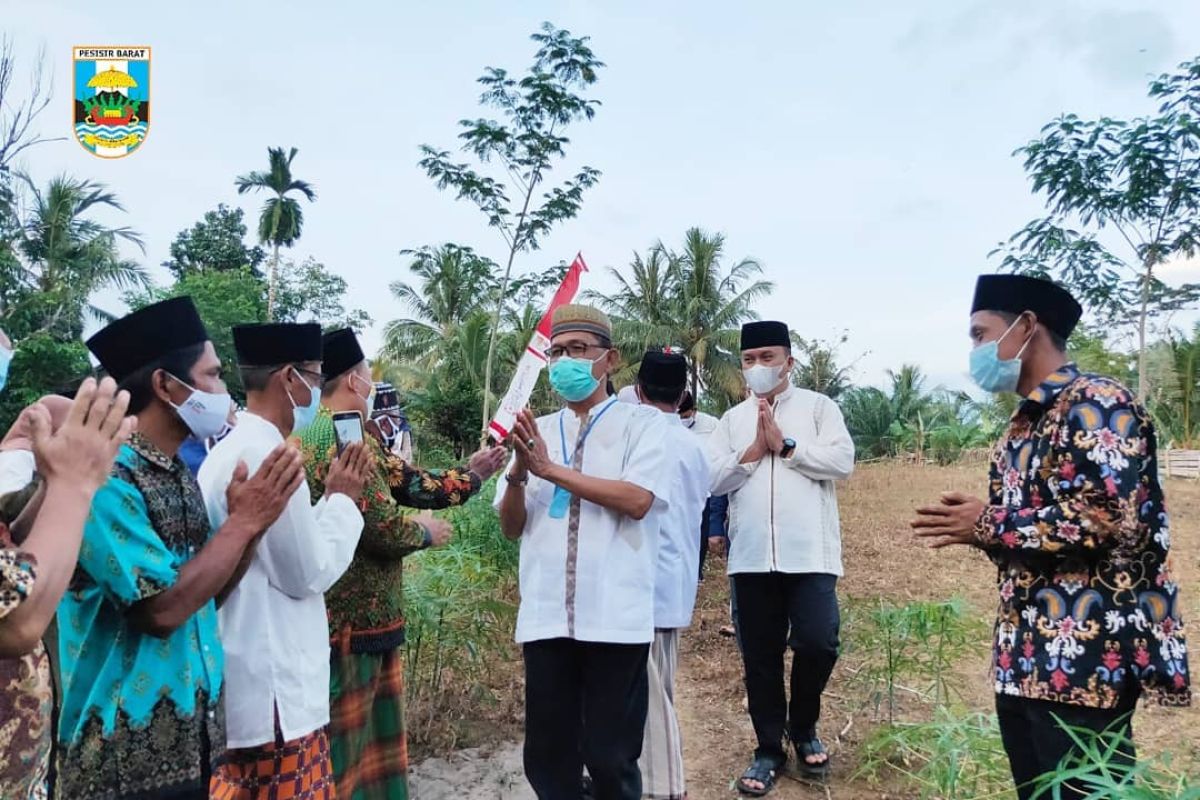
(1028, 341)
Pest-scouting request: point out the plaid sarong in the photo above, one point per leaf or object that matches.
(366, 730)
(294, 770)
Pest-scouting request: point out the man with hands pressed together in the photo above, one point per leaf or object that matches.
(1075, 520)
(142, 663)
(582, 495)
(777, 455)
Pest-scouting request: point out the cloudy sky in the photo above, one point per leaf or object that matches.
(860, 150)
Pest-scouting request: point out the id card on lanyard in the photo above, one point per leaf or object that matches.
(561, 502)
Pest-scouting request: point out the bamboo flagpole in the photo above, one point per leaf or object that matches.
(533, 361)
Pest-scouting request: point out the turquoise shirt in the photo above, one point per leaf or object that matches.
(127, 694)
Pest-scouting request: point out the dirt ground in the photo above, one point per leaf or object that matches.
(881, 561)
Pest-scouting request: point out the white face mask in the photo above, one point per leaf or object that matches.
(368, 398)
(762, 379)
(206, 414)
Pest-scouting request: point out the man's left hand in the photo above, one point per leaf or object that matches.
(951, 522)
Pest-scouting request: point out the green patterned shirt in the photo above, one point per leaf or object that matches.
(366, 607)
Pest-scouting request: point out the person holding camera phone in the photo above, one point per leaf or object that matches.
(366, 607)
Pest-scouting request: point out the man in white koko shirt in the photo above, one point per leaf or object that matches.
(777, 455)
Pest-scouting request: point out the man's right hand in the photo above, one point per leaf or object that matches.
(440, 531)
(257, 502)
(349, 471)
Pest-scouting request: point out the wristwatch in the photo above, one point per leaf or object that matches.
(514, 481)
(789, 447)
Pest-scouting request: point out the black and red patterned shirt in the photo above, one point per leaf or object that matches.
(1077, 524)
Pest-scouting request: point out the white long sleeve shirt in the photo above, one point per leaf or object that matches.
(678, 569)
(273, 625)
(783, 514)
(594, 583)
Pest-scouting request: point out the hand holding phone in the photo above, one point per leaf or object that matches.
(347, 429)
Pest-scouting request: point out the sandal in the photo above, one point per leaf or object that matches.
(727, 631)
(762, 770)
(806, 749)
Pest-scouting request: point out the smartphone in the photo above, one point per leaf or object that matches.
(347, 429)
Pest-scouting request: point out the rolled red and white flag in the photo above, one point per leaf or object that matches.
(533, 361)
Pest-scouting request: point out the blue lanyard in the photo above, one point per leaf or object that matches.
(562, 433)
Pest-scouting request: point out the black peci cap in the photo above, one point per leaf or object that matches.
(1055, 307)
(277, 343)
(765, 334)
(147, 334)
(342, 353)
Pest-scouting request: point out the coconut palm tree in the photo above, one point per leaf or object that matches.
(689, 299)
(282, 219)
(68, 256)
(453, 283)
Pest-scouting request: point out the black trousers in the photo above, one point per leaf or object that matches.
(1036, 742)
(585, 705)
(775, 611)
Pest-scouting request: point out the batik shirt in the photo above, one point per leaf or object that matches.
(366, 606)
(1077, 525)
(26, 695)
(141, 716)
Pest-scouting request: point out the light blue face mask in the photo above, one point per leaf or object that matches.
(6, 357)
(303, 416)
(572, 378)
(992, 373)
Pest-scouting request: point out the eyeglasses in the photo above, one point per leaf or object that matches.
(572, 349)
(316, 376)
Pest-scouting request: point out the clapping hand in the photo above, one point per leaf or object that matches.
(350, 470)
(532, 455)
(258, 501)
(81, 452)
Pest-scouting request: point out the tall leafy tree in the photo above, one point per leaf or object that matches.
(215, 243)
(514, 155)
(1123, 199)
(311, 292)
(282, 219)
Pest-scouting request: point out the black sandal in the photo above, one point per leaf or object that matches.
(762, 770)
(812, 747)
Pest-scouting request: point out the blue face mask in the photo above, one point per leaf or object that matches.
(6, 356)
(303, 416)
(572, 378)
(992, 373)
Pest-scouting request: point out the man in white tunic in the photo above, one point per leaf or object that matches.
(660, 385)
(777, 455)
(583, 494)
(273, 625)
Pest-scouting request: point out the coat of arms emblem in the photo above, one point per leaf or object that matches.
(111, 99)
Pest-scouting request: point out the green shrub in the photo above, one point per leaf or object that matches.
(951, 757)
(460, 612)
